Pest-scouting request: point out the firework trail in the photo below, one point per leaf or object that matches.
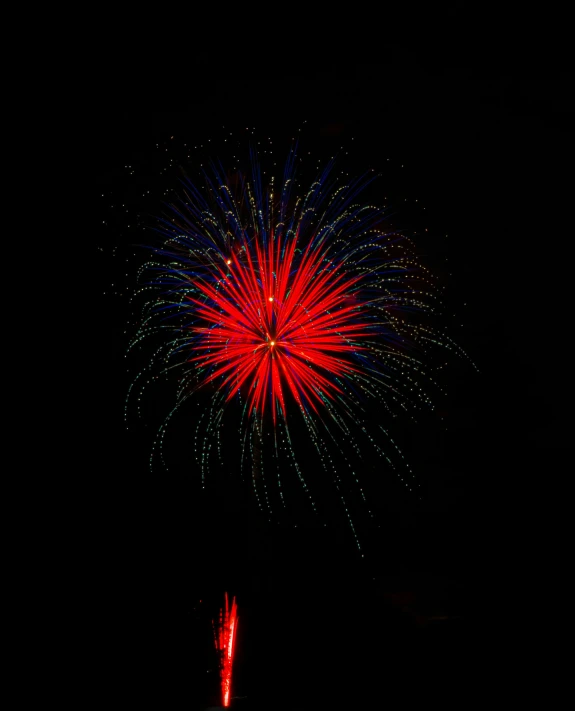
(295, 304)
(224, 636)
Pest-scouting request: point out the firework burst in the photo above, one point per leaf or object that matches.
(295, 304)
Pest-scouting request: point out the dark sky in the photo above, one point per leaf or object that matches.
(486, 148)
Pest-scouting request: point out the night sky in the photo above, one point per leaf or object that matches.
(483, 148)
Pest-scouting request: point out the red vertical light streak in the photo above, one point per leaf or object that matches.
(225, 635)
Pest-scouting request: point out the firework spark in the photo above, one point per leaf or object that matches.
(225, 635)
(291, 301)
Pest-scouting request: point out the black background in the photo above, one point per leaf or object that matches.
(485, 148)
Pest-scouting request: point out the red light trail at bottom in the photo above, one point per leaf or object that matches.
(225, 634)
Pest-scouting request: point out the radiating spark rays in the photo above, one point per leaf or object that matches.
(305, 320)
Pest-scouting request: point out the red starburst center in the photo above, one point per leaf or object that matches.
(279, 319)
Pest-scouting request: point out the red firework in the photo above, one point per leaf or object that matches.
(279, 321)
(225, 634)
